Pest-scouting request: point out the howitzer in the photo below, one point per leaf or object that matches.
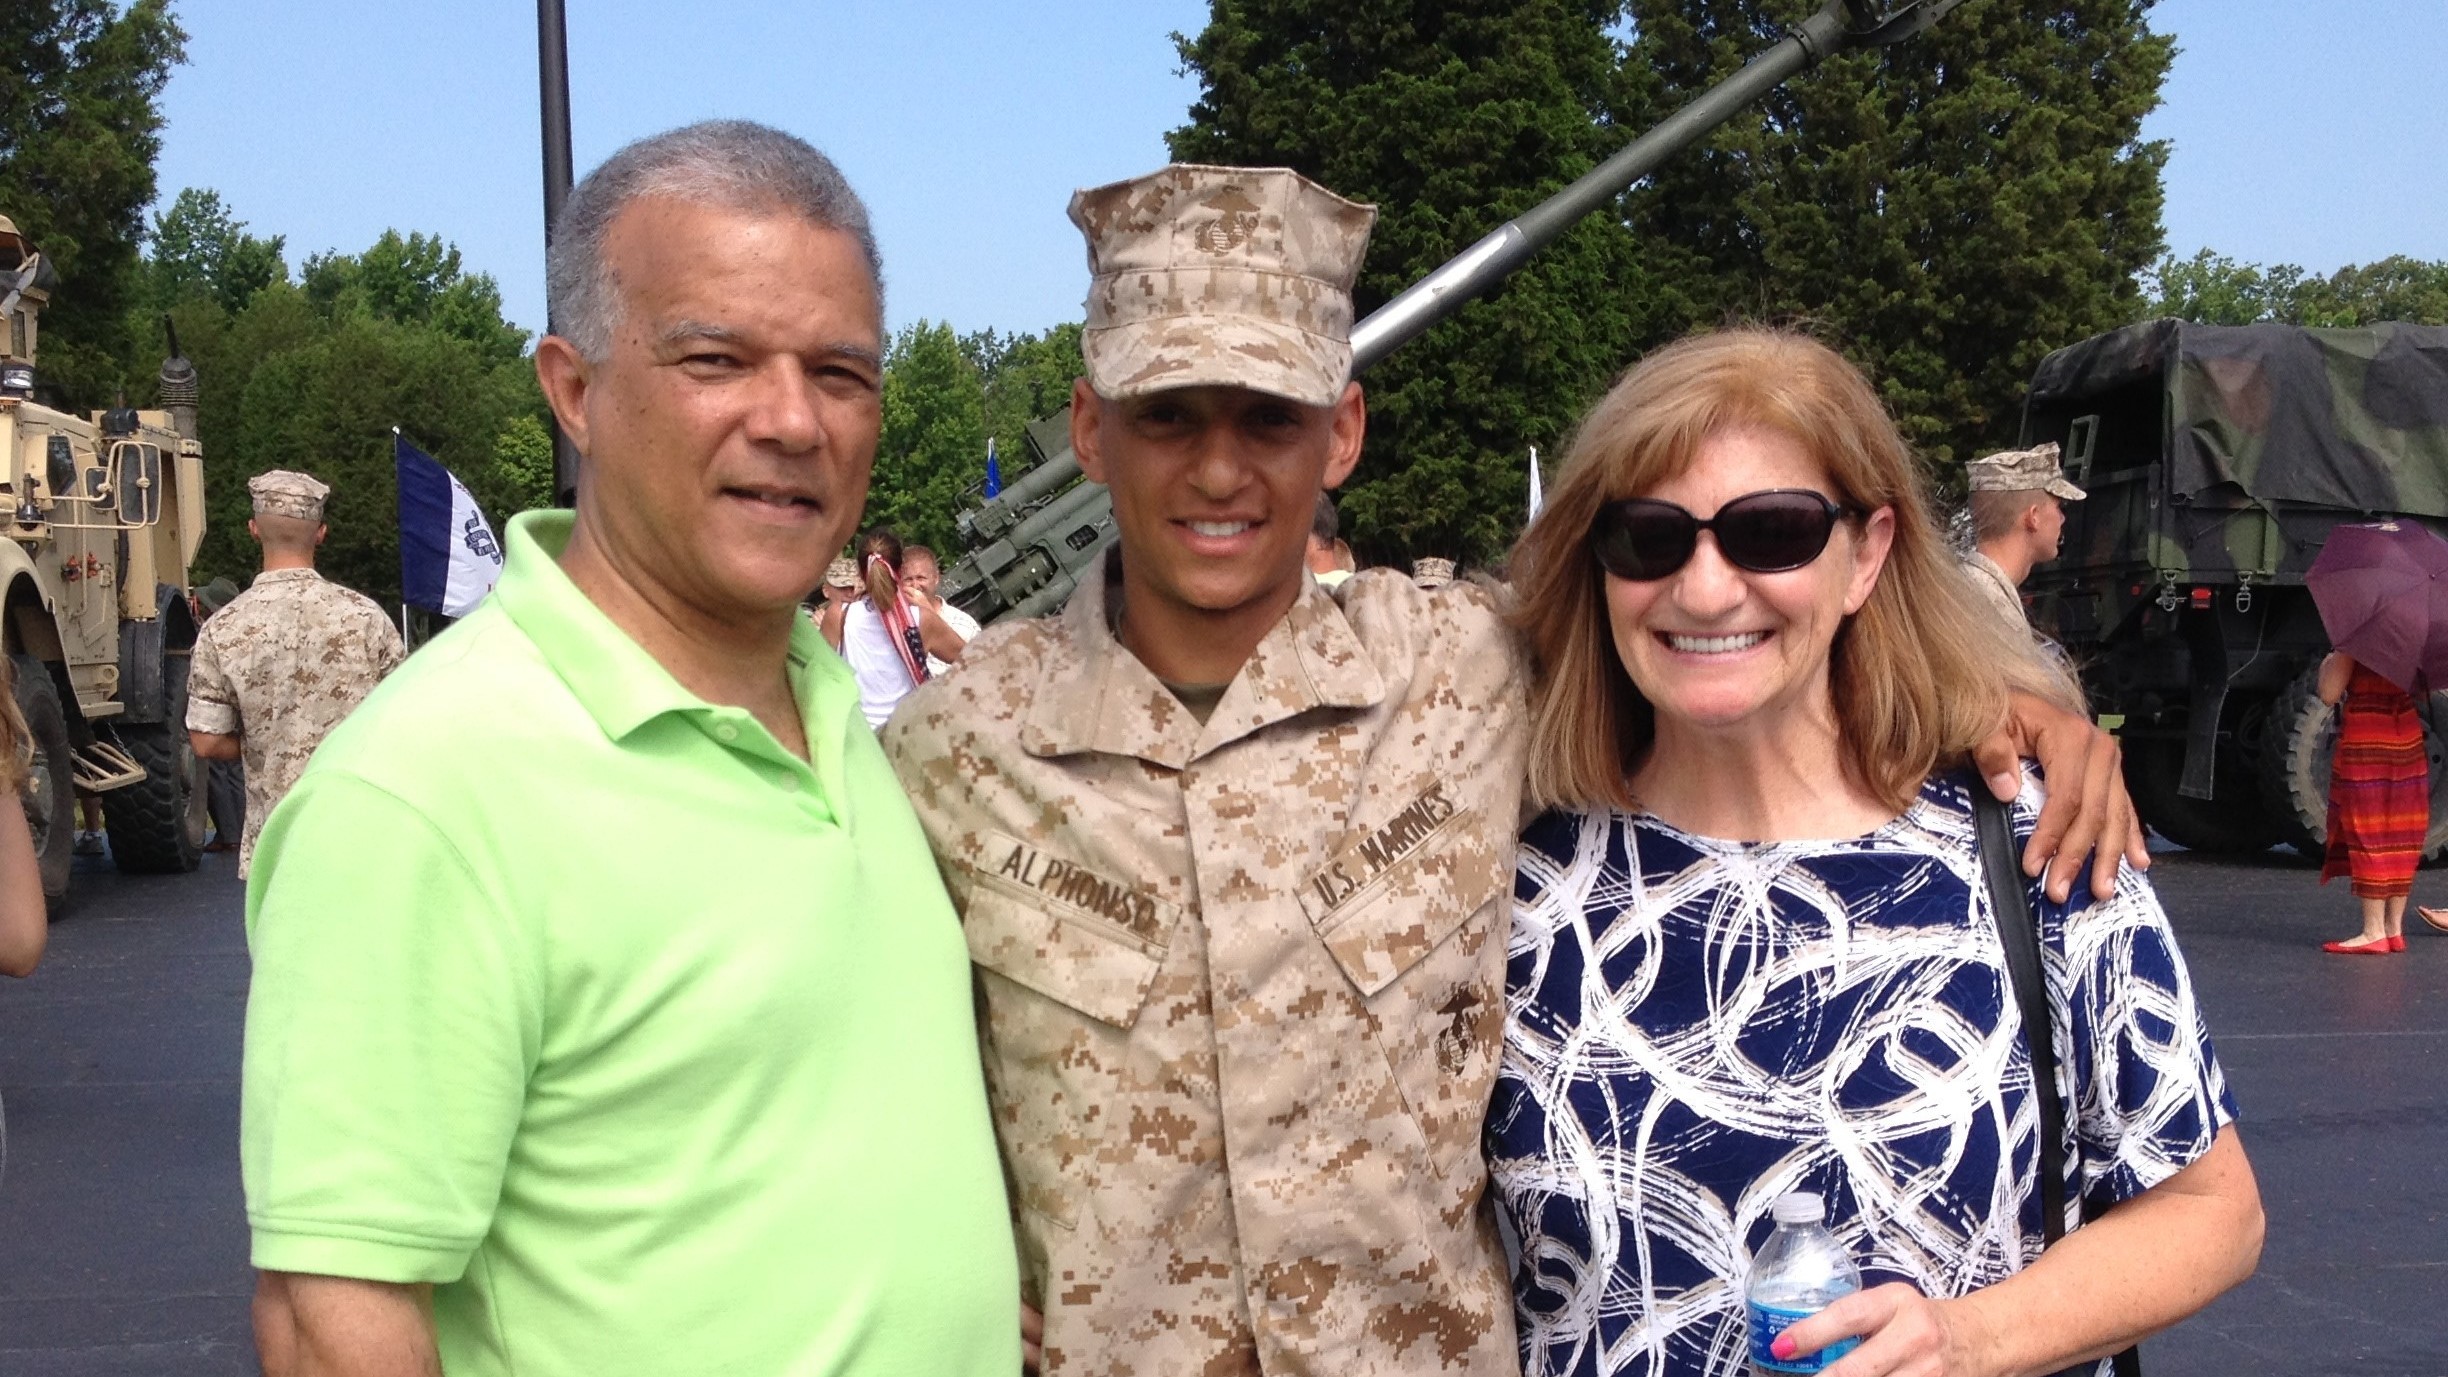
(1029, 544)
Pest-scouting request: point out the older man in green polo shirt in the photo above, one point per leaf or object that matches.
(609, 1016)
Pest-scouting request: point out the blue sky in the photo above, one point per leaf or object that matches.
(2304, 132)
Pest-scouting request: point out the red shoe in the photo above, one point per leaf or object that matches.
(2378, 946)
(2397, 943)
(2436, 917)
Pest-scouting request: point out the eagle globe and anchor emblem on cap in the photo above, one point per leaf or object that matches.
(1235, 221)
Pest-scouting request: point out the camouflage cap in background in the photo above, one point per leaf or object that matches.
(1432, 571)
(842, 573)
(280, 492)
(2022, 470)
(1220, 276)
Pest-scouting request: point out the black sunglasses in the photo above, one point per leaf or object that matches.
(1642, 539)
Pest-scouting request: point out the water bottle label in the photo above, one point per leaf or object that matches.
(1768, 1321)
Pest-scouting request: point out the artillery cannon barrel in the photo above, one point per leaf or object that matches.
(1490, 261)
(1839, 24)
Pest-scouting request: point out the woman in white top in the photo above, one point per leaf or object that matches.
(887, 636)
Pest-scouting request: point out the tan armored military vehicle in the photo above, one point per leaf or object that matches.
(102, 515)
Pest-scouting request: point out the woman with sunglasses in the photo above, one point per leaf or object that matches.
(1752, 950)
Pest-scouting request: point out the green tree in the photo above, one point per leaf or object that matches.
(522, 467)
(1027, 378)
(313, 377)
(1452, 116)
(932, 449)
(2213, 289)
(416, 279)
(1947, 211)
(199, 249)
(80, 126)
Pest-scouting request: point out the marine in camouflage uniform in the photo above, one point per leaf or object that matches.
(2009, 474)
(286, 659)
(1241, 972)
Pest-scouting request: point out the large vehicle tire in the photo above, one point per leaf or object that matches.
(157, 827)
(50, 799)
(2234, 822)
(2295, 767)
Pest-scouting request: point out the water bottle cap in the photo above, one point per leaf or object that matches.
(1800, 1207)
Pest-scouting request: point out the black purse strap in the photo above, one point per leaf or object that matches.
(2021, 937)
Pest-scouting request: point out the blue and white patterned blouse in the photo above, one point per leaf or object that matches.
(1700, 1026)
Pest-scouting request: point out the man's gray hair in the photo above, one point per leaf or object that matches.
(736, 164)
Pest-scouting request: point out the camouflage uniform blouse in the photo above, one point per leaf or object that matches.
(278, 668)
(1996, 589)
(1241, 982)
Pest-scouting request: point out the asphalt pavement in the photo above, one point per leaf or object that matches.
(123, 1245)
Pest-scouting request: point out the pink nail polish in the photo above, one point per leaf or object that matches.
(1783, 1348)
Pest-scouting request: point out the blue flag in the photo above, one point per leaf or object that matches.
(994, 476)
(448, 557)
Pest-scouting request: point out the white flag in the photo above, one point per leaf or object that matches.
(1538, 498)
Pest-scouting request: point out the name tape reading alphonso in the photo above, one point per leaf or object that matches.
(1019, 866)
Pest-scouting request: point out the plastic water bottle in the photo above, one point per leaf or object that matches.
(1799, 1271)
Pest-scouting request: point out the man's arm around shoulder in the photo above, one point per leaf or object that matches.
(314, 1326)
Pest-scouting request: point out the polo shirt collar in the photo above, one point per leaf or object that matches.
(1099, 697)
(612, 677)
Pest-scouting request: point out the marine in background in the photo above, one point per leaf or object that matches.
(2018, 502)
(277, 669)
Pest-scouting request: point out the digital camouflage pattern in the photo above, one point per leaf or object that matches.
(1995, 588)
(1241, 983)
(1237, 277)
(285, 492)
(2021, 470)
(278, 668)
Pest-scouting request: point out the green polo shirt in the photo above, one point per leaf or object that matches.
(646, 1042)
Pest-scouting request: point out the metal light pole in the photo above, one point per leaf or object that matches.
(552, 56)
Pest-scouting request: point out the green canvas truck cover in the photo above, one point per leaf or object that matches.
(2353, 419)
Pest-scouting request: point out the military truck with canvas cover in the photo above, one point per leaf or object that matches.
(2217, 461)
(102, 515)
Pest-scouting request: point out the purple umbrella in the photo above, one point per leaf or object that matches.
(2383, 594)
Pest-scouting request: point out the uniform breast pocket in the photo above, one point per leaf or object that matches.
(1421, 940)
(1062, 989)
(1097, 968)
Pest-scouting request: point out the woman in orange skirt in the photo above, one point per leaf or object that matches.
(2379, 801)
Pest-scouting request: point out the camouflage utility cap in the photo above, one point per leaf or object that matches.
(1220, 276)
(842, 573)
(281, 492)
(2022, 470)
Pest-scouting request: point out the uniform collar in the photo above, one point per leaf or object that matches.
(612, 677)
(1097, 696)
(1980, 560)
(286, 576)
